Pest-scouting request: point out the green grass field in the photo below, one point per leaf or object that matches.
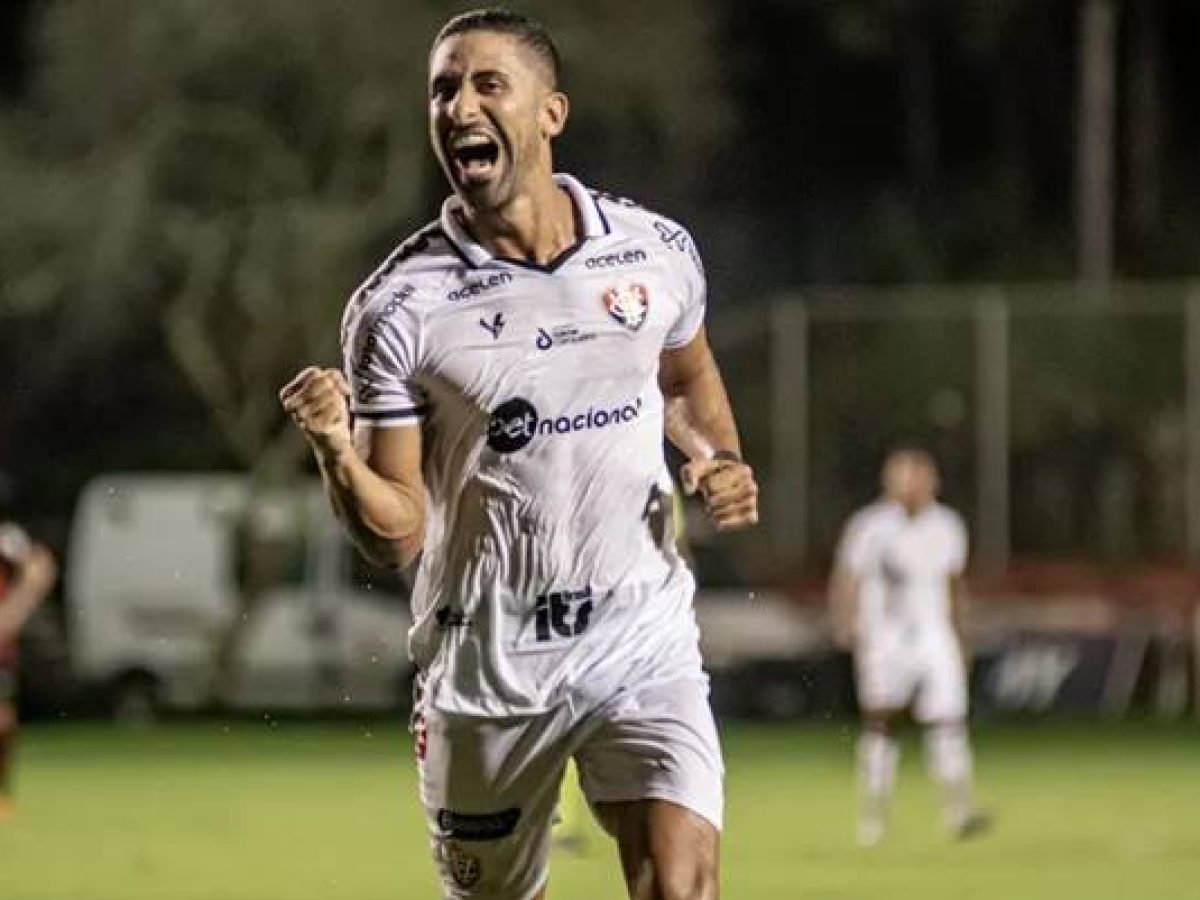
(254, 811)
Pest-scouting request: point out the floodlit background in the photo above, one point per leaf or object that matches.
(971, 225)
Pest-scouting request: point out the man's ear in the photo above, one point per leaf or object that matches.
(555, 110)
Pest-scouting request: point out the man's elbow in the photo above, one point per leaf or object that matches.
(391, 554)
(408, 551)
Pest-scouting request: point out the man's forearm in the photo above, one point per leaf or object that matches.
(699, 419)
(385, 520)
(843, 597)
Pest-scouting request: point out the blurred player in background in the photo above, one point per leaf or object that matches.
(898, 602)
(508, 370)
(27, 574)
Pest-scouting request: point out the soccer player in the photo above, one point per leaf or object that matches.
(898, 602)
(507, 370)
(27, 573)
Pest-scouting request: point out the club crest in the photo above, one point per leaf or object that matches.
(628, 303)
(465, 868)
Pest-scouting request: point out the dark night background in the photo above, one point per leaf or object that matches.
(819, 143)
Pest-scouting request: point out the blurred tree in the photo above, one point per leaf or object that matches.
(14, 15)
(233, 178)
(237, 172)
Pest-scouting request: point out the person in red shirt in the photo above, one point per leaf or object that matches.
(27, 574)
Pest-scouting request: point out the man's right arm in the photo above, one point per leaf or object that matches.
(845, 585)
(373, 477)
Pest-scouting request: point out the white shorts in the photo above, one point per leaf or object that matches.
(490, 785)
(930, 678)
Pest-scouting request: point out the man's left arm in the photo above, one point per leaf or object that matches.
(959, 599)
(700, 423)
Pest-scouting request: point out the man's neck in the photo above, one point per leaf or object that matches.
(537, 226)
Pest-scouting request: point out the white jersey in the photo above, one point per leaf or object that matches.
(904, 565)
(549, 558)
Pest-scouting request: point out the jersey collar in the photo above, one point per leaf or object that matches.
(591, 219)
(896, 508)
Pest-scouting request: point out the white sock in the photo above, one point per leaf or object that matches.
(878, 755)
(948, 756)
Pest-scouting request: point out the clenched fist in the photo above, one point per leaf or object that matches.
(727, 487)
(316, 399)
(33, 564)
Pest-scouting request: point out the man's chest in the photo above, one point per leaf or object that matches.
(911, 555)
(500, 327)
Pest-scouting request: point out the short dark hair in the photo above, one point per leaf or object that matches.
(528, 31)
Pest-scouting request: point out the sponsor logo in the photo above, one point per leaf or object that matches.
(512, 425)
(465, 869)
(675, 237)
(562, 614)
(478, 826)
(615, 260)
(479, 286)
(628, 303)
(495, 326)
(367, 390)
(420, 737)
(617, 199)
(561, 335)
(659, 515)
(402, 295)
(516, 422)
(418, 243)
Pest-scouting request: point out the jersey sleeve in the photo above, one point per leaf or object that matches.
(380, 358)
(854, 549)
(690, 268)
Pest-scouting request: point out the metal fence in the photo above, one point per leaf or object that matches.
(1066, 419)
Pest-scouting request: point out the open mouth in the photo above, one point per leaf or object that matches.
(475, 156)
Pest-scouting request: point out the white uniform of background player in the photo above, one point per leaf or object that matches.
(512, 371)
(897, 604)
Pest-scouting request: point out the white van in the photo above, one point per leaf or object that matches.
(160, 565)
